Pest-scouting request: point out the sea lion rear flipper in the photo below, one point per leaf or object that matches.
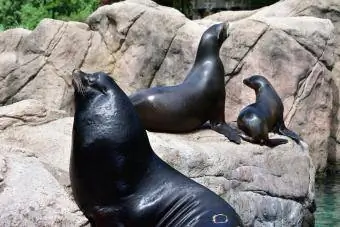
(227, 131)
(286, 132)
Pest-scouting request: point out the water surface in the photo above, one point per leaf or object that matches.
(327, 198)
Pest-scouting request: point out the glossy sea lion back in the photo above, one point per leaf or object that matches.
(116, 178)
(265, 115)
(199, 99)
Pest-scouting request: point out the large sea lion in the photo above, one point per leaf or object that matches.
(200, 98)
(265, 115)
(117, 179)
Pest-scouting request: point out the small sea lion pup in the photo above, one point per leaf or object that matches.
(265, 115)
(200, 98)
(117, 180)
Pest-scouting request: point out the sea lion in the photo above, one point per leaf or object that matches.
(118, 180)
(265, 115)
(200, 98)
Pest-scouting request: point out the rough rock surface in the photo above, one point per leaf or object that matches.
(143, 44)
(266, 186)
(30, 195)
(329, 9)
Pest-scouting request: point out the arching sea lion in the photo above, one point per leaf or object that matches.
(117, 180)
(265, 115)
(200, 98)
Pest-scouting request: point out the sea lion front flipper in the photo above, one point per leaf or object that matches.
(286, 132)
(275, 142)
(227, 131)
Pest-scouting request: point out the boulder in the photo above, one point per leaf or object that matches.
(322, 150)
(143, 44)
(329, 9)
(27, 112)
(30, 195)
(266, 186)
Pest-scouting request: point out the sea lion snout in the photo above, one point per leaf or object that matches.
(247, 82)
(223, 31)
(77, 80)
(77, 74)
(255, 82)
(86, 82)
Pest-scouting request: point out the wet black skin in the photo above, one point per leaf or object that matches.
(116, 178)
(200, 98)
(265, 115)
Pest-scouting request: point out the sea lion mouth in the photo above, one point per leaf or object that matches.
(78, 81)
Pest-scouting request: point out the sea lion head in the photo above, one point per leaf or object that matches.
(108, 141)
(213, 37)
(221, 30)
(256, 82)
(88, 86)
(104, 112)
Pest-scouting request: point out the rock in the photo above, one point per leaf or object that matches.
(12, 38)
(143, 44)
(30, 195)
(44, 139)
(266, 186)
(27, 112)
(231, 15)
(329, 9)
(37, 69)
(139, 48)
(299, 75)
(257, 181)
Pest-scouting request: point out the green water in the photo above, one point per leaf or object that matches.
(327, 198)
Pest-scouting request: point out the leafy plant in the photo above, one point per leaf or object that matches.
(28, 13)
(31, 15)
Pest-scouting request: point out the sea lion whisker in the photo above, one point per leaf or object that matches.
(78, 83)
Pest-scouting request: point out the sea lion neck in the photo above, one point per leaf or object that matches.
(208, 47)
(106, 130)
(111, 118)
(262, 92)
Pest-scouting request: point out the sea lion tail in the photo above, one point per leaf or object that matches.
(283, 130)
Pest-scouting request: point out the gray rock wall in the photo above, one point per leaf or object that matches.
(143, 44)
(266, 186)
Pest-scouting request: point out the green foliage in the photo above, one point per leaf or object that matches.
(28, 13)
(9, 14)
(81, 10)
(31, 15)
